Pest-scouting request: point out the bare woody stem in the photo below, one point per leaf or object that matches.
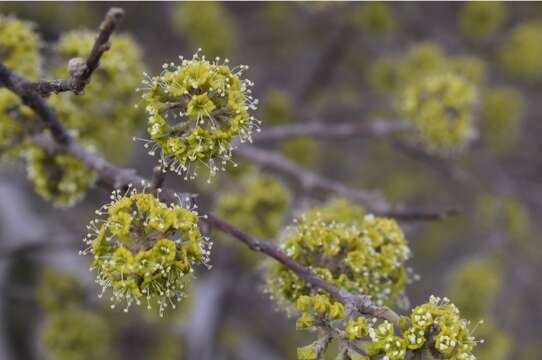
(320, 130)
(116, 177)
(80, 69)
(312, 182)
(112, 176)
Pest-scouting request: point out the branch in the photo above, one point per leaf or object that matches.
(158, 177)
(331, 131)
(311, 182)
(116, 177)
(81, 70)
(22, 88)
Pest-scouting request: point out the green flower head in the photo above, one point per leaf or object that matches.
(441, 107)
(60, 178)
(195, 112)
(480, 20)
(145, 249)
(257, 207)
(375, 17)
(502, 109)
(277, 108)
(76, 334)
(19, 51)
(520, 55)
(360, 253)
(437, 324)
(58, 290)
(207, 24)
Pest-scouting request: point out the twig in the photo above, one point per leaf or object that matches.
(311, 182)
(117, 177)
(331, 131)
(158, 177)
(33, 100)
(80, 69)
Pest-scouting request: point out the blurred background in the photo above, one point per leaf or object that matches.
(332, 63)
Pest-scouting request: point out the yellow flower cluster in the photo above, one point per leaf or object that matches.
(145, 249)
(257, 207)
(208, 106)
(355, 252)
(19, 49)
(60, 178)
(436, 93)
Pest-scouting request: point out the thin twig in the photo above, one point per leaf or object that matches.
(33, 100)
(312, 182)
(331, 131)
(158, 177)
(116, 177)
(80, 69)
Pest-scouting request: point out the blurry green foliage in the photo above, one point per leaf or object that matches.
(390, 74)
(470, 67)
(19, 46)
(207, 25)
(76, 334)
(168, 347)
(400, 181)
(501, 115)
(520, 54)
(57, 290)
(53, 17)
(508, 214)
(497, 342)
(305, 152)
(375, 18)
(386, 75)
(60, 178)
(277, 13)
(258, 206)
(474, 287)
(437, 237)
(480, 20)
(19, 51)
(277, 108)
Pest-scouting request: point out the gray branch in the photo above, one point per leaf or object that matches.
(311, 182)
(80, 69)
(320, 130)
(112, 176)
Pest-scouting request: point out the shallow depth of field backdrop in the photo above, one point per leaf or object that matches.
(325, 63)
